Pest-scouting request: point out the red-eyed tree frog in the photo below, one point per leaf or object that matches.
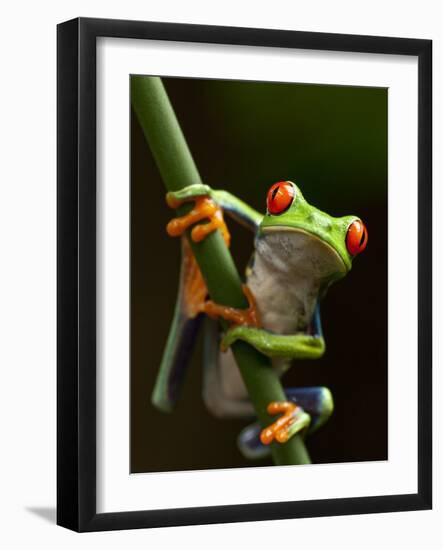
(299, 252)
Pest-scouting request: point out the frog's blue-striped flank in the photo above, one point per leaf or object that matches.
(299, 252)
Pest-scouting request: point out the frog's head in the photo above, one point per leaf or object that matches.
(334, 242)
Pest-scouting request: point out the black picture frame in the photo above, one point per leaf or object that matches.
(76, 280)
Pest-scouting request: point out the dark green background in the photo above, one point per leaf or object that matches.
(330, 140)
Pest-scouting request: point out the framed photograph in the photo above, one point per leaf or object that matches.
(244, 274)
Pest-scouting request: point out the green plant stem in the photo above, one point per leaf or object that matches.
(177, 168)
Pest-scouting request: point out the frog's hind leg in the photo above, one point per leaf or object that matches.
(317, 401)
(314, 404)
(183, 332)
(224, 392)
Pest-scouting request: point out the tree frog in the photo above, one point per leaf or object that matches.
(299, 252)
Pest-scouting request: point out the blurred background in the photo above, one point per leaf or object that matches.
(330, 140)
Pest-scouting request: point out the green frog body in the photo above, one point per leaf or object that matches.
(299, 252)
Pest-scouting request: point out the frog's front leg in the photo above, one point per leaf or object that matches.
(205, 208)
(237, 317)
(287, 346)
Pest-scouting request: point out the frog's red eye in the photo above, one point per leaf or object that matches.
(356, 238)
(280, 197)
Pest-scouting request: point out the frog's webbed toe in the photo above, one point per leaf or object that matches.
(293, 419)
(317, 402)
(237, 317)
(204, 209)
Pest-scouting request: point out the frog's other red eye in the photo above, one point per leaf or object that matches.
(280, 197)
(356, 238)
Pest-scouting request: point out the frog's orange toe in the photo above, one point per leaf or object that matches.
(175, 227)
(204, 209)
(282, 435)
(278, 430)
(247, 317)
(266, 436)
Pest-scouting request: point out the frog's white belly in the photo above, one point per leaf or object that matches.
(289, 270)
(285, 299)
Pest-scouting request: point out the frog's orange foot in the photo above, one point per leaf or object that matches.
(280, 430)
(204, 209)
(249, 316)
